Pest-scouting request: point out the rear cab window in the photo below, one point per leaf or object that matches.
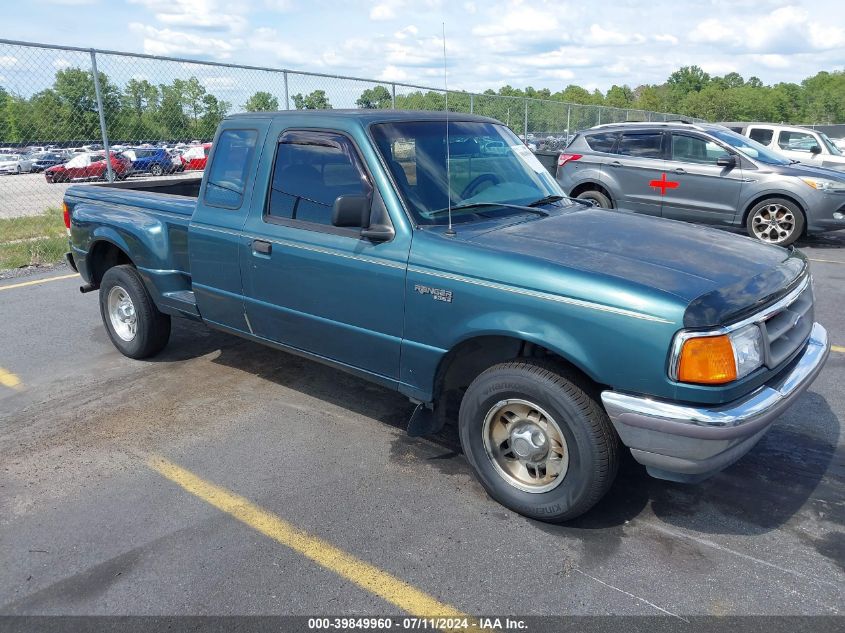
(761, 135)
(227, 176)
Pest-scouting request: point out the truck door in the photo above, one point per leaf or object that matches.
(215, 231)
(704, 191)
(638, 162)
(313, 286)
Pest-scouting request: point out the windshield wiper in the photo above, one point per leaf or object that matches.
(473, 205)
(545, 200)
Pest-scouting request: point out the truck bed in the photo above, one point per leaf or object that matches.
(156, 211)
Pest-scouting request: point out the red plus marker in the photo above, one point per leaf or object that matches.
(663, 184)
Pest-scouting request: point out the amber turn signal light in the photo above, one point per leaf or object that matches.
(707, 360)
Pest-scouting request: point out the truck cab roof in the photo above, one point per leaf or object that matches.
(366, 116)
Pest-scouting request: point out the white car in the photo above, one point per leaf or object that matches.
(798, 143)
(15, 163)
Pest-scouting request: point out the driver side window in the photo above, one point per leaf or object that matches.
(311, 170)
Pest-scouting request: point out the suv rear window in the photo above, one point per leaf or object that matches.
(641, 144)
(602, 142)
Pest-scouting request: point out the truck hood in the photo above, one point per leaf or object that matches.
(716, 273)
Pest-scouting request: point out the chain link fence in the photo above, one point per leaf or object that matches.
(63, 110)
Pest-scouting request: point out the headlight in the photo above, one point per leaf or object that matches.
(715, 360)
(824, 185)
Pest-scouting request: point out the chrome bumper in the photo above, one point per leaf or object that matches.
(689, 443)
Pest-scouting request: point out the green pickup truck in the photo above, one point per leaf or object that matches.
(436, 256)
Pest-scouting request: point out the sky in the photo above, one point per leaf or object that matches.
(490, 43)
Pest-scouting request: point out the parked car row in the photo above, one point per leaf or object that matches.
(703, 173)
(89, 162)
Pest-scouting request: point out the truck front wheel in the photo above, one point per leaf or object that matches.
(538, 442)
(135, 326)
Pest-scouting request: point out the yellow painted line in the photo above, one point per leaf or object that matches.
(826, 261)
(37, 281)
(368, 577)
(8, 379)
(838, 348)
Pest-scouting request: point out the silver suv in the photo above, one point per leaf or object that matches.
(702, 173)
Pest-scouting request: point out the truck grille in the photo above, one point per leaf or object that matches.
(788, 328)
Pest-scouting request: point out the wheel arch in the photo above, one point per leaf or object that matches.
(472, 355)
(104, 254)
(591, 185)
(770, 196)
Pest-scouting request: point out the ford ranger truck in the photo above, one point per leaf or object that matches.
(457, 273)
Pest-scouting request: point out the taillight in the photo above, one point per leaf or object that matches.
(565, 158)
(66, 215)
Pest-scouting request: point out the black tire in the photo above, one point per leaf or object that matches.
(599, 199)
(591, 442)
(156, 170)
(771, 207)
(152, 327)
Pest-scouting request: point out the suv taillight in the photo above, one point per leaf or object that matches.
(565, 158)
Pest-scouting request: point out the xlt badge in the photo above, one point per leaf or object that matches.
(438, 294)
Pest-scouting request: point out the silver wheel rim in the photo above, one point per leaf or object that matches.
(525, 446)
(122, 315)
(773, 223)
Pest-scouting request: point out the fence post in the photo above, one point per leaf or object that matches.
(393, 96)
(568, 113)
(471, 103)
(287, 96)
(599, 123)
(99, 96)
(525, 133)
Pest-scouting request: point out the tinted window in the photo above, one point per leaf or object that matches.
(764, 137)
(601, 142)
(693, 149)
(227, 178)
(311, 171)
(641, 144)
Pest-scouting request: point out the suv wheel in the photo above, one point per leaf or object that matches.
(775, 221)
(599, 199)
(539, 443)
(156, 170)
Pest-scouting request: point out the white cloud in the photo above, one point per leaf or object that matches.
(197, 14)
(7, 61)
(60, 63)
(608, 37)
(393, 73)
(408, 31)
(520, 20)
(167, 42)
(385, 10)
(665, 38)
(772, 61)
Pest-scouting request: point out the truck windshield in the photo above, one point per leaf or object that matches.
(488, 164)
(829, 144)
(749, 147)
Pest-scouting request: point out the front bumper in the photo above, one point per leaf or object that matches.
(689, 443)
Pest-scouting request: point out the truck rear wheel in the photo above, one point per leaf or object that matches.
(135, 325)
(538, 442)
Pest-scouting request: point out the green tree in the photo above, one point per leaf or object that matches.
(375, 98)
(316, 100)
(261, 101)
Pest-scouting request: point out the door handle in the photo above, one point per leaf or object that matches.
(261, 247)
(615, 163)
(680, 170)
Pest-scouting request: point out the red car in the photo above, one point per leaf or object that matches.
(195, 157)
(88, 166)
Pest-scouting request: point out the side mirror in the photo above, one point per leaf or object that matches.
(726, 161)
(815, 149)
(351, 211)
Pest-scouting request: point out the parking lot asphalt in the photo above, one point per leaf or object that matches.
(31, 194)
(226, 478)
